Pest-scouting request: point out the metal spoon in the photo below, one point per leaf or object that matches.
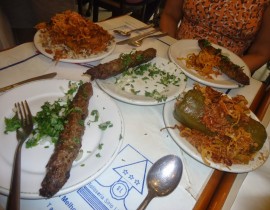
(163, 177)
(128, 33)
(138, 42)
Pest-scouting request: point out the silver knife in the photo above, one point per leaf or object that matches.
(126, 41)
(45, 76)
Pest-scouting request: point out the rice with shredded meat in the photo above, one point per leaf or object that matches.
(231, 143)
(69, 35)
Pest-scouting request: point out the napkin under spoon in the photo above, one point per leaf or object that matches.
(128, 33)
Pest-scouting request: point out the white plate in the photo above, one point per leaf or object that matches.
(35, 159)
(171, 91)
(192, 151)
(182, 48)
(91, 58)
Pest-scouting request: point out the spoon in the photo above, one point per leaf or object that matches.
(138, 42)
(128, 33)
(163, 177)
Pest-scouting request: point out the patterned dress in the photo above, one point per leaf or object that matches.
(232, 24)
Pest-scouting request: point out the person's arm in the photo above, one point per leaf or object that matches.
(171, 15)
(259, 52)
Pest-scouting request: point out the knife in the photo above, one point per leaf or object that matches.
(45, 76)
(126, 41)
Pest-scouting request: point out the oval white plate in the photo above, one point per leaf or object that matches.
(34, 160)
(192, 151)
(91, 58)
(182, 48)
(125, 95)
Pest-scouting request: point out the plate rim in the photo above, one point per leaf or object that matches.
(210, 82)
(39, 47)
(105, 164)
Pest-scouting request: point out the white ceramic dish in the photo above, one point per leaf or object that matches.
(182, 48)
(190, 150)
(93, 161)
(122, 90)
(91, 58)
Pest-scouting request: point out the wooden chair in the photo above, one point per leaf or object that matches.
(119, 7)
(81, 3)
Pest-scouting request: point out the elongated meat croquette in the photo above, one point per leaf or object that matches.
(226, 66)
(68, 145)
(117, 66)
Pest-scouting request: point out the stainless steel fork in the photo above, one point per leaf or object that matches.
(24, 114)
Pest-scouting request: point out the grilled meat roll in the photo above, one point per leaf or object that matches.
(117, 66)
(69, 144)
(226, 66)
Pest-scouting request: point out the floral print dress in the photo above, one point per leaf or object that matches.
(232, 24)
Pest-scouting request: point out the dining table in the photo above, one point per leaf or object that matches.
(145, 138)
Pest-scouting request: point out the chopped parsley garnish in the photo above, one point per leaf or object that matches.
(135, 92)
(12, 124)
(153, 76)
(95, 114)
(105, 125)
(76, 140)
(100, 146)
(126, 58)
(156, 95)
(50, 120)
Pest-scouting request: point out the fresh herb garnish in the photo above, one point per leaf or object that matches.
(126, 59)
(156, 95)
(50, 120)
(12, 124)
(105, 125)
(147, 73)
(100, 146)
(95, 114)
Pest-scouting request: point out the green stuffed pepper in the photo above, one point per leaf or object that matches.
(190, 110)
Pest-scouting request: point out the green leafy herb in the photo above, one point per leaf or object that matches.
(145, 73)
(100, 146)
(12, 124)
(95, 113)
(126, 59)
(156, 95)
(50, 120)
(105, 125)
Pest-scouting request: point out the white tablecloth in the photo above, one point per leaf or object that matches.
(142, 139)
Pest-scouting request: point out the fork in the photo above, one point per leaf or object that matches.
(138, 42)
(24, 114)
